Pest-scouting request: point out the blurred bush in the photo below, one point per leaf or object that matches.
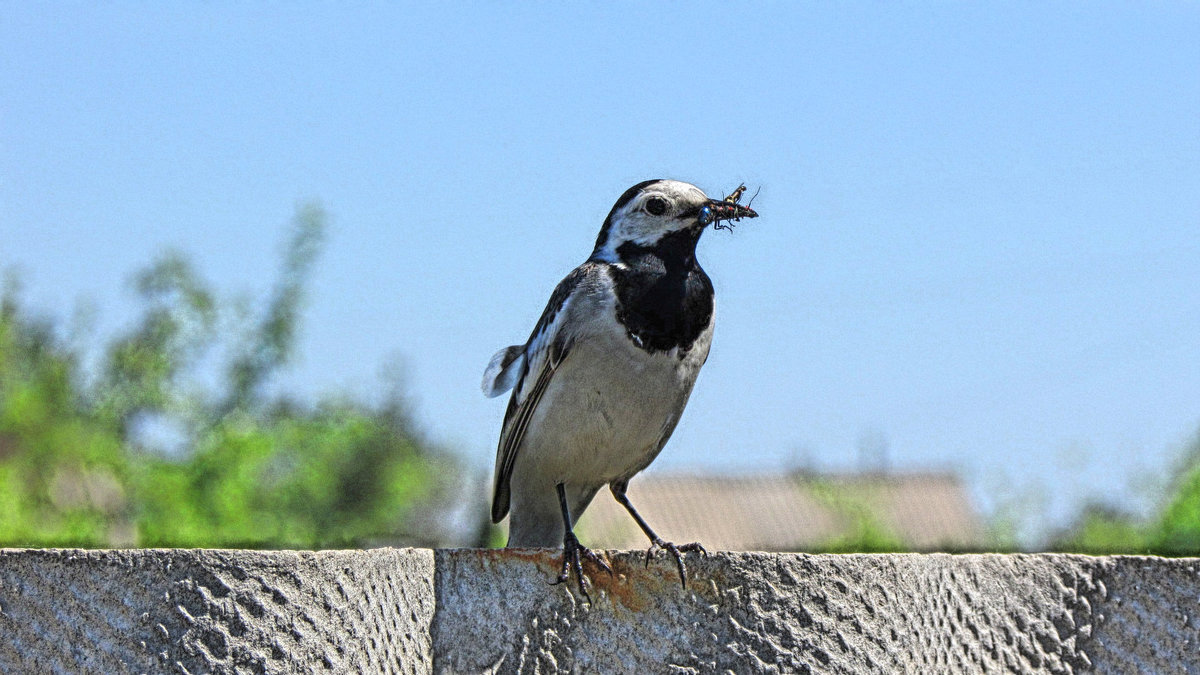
(148, 448)
(1174, 530)
(1101, 529)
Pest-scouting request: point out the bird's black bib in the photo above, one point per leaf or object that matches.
(664, 298)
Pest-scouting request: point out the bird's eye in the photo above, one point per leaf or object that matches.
(656, 206)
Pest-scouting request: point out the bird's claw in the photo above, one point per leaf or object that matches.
(573, 551)
(676, 551)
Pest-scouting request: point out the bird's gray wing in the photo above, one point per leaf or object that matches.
(548, 347)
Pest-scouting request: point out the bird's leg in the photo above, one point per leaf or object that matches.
(572, 550)
(618, 490)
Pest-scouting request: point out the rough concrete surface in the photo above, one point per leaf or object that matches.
(469, 611)
(202, 611)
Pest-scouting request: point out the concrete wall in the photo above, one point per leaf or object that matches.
(419, 611)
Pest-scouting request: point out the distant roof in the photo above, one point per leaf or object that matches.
(787, 512)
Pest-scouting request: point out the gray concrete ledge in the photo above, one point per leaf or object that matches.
(422, 611)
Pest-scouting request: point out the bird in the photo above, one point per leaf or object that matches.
(604, 377)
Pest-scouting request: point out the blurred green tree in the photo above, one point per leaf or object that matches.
(1102, 529)
(78, 461)
(1173, 531)
(64, 475)
(1177, 528)
(865, 533)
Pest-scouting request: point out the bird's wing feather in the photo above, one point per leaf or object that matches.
(547, 348)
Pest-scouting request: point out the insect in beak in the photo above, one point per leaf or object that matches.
(717, 211)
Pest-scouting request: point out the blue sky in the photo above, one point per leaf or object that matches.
(980, 225)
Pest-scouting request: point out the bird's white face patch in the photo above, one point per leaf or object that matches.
(657, 210)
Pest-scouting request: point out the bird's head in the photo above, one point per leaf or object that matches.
(656, 210)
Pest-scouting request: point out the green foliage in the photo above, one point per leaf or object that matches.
(142, 369)
(77, 467)
(1177, 530)
(865, 533)
(336, 478)
(270, 345)
(1103, 530)
(63, 474)
(1174, 531)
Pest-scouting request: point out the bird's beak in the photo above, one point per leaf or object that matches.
(717, 210)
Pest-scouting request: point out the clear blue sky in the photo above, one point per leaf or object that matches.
(980, 231)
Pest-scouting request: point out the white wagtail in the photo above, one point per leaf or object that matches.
(604, 378)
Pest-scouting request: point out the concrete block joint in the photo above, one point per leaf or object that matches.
(472, 611)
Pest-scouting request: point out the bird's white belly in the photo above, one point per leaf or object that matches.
(605, 413)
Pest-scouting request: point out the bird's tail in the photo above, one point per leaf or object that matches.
(502, 371)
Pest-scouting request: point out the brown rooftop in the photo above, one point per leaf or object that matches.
(788, 512)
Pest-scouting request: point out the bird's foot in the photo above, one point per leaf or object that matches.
(573, 552)
(676, 551)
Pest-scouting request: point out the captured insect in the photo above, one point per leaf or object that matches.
(729, 213)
